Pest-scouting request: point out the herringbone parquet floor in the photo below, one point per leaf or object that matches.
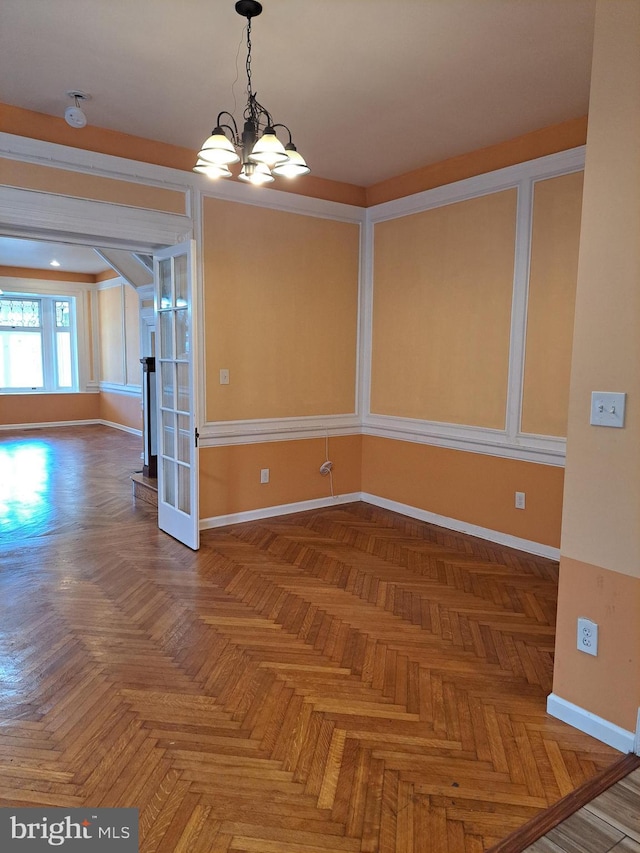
(339, 680)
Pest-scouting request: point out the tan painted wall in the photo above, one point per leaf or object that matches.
(110, 312)
(280, 312)
(123, 409)
(48, 408)
(443, 282)
(600, 564)
(32, 176)
(230, 476)
(133, 368)
(92, 367)
(601, 521)
(552, 292)
(469, 487)
(119, 320)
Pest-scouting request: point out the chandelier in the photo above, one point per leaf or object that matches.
(258, 148)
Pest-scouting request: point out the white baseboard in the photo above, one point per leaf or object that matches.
(591, 724)
(47, 424)
(281, 509)
(51, 424)
(404, 509)
(464, 527)
(121, 427)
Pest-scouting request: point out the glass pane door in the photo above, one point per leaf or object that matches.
(177, 450)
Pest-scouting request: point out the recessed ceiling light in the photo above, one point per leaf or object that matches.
(54, 263)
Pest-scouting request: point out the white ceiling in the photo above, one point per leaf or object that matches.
(369, 88)
(38, 255)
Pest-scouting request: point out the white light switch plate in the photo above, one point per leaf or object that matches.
(607, 408)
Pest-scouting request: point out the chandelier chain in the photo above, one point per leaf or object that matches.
(249, 90)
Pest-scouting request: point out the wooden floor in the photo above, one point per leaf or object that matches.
(610, 823)
(345, 679)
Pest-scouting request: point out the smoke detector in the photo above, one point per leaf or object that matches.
(75, 115)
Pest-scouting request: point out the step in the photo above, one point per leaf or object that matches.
(145, 489)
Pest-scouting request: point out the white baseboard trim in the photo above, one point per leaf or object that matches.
(47, 424)
(52, 424)
(281, 509)
(496, 536)
(121, 427)
(591, 724)
(404, 509)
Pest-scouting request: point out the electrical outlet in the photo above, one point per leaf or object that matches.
(520, 500)
(326, 467)
(587, 636)
(264, 475)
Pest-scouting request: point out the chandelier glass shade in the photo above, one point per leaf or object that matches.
(258, 148)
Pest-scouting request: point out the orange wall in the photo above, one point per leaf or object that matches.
(53, 129)
(133, 368)
(110, 313)
(48, 408)
(552, 295)
(33, 176)
(55, 408)
(119, 320)
(469, 487)
(547, 140)
(230, 476)
(607, 685)
(46, 275)
(443, 283)
(123, 409)
(600, 563)
(282, 317)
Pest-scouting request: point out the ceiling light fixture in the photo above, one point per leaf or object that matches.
(54, 263)
(75, 116)
(260, 151)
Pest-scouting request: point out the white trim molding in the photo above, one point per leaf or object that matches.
(125, 390)
(87, 222)
(28, 150)
(47, 424)
(541, 168)
(509, 442)
(277, 429)
(121, 427)
(281, 509)
(496, 536)
(591, 724)
(545, 450)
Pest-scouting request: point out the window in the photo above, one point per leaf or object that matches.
(37, 344)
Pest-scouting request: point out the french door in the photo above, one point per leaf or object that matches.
(177, 428)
